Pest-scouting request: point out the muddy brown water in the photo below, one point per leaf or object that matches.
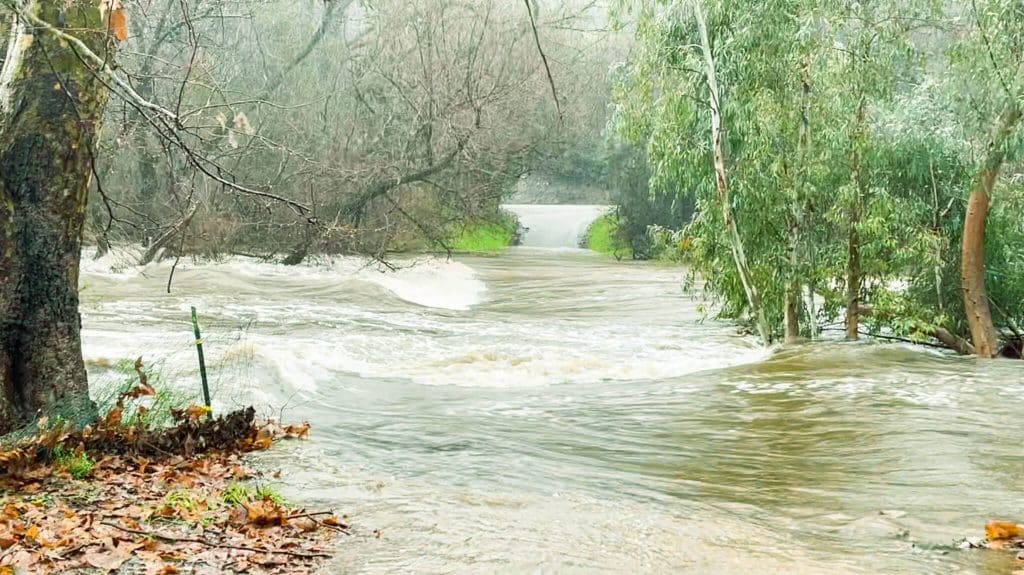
(554, 411)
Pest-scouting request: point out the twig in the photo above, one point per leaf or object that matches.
(72, 550)
(337, 528)
(543, 57)
(315, 514)
(172, 539)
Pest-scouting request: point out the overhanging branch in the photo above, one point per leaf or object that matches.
(382, 187)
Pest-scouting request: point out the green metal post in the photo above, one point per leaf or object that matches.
(202, 360)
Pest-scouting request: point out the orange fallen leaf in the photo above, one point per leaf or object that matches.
(113, 418)
(264, 513)
(192, 413)
(119, 24)
(1003, 530)
(297, 431)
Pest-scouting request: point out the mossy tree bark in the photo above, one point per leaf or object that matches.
(49, 123)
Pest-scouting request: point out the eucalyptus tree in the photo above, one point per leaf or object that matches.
(722, 94)
(990, 58)
(778, 118)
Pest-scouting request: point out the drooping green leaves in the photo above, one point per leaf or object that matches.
(843, 120)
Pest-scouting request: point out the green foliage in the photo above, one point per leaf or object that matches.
(180, 499)
(667, 245)
(486, 237)
(78, 464)
(267, 493)
(238, 494)
(605, 236)
(852, 134)
(639, 208)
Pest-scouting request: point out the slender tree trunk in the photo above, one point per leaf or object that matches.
(937, 228)
(793, 313)
(793, 301)
(50, 113)
(794, 291)
(853, 279)
(722, 183)
(854, 271)
(976, 304)
(812, 311)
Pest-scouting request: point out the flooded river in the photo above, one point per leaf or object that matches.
(550, 410)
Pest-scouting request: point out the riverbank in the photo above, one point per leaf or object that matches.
(120, 496)
(487, 236)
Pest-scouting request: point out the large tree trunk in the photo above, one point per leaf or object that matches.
(722, 183)
(50, 110)
(976, 304)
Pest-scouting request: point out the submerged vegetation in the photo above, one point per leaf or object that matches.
(606, 236)
(855, 162)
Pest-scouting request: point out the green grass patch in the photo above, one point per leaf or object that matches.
(604, 236)
(238, 494)
(158, 408)
(78, 465)
(485, 237)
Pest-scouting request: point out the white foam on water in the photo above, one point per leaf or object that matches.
(432, 282)
(315, 323)
(427, 281)
(496, 355)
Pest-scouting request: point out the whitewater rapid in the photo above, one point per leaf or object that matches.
(552, 410)
(431, 320)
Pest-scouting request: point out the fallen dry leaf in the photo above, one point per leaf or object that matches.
(52, 524)
(1003, 530)
(107, 561)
